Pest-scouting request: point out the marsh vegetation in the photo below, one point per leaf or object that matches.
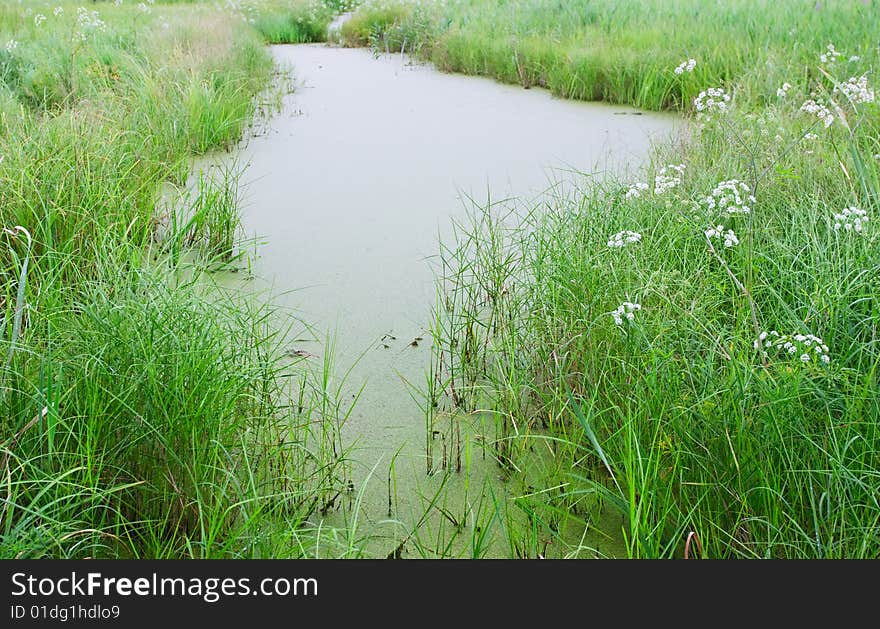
(683, 356)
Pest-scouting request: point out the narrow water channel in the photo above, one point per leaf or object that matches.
(353, 185)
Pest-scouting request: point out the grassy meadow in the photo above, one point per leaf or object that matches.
(141, 415)
(694, 348)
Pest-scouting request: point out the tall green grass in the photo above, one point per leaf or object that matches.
(620, 51)
(142, 413)
(290, 21)
(145, 414)
(675, 420)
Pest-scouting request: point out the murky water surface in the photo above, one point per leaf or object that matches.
(353, 184)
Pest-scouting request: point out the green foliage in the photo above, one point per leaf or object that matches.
(620, 51)
(142, 413)
(675, 419)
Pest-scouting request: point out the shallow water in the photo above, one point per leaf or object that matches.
(353, 184)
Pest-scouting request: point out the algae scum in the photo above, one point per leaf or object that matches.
(352, 188)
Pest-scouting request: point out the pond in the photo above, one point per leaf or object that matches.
(352, 187)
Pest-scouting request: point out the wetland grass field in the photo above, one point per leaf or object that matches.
(682, 358)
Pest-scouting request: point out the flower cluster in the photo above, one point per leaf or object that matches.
(243, 10)
(830, 55)
(58, 11)
(627, 310)
(805, 346)
(686, 66)
(731, 196)
(89, 21)
(636, 190)
(712, 99)
(39, 18)
(667, 178)
(782, 92)
(626, 237)
(850, 219)
(718, 232)
(820, 111)
(664, 181)
(10, 46)
(856, 90)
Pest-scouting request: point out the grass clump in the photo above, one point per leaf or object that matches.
(694, 349)
(616, 51)
(290, 21)
(142, 413)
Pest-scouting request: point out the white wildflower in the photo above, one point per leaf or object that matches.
(686, 66)
(665, 181)
(854, 58)
(765, 339)
(830, 55)
(58, 11)
(731, 197)
(635, 190)
(11, 45)
(627, 310)
(711, 100)
(783, 91)
(720, 233)
(820, 111)
(39, 18)
(807, 346)
(626, 237)
(88, 22)
(850, 219)
(856, 90)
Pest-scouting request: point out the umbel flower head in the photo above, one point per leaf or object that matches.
(856, 90)
(830, 55)
(668, 178)
(731, 197)
(806, 348)
(719, 233)
(712, 100)
(820, 111)
(626, 237)
(636, 190)
(850, 219)
(686, 66)
(627, 310)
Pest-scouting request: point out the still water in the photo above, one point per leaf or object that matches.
(350, 189)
